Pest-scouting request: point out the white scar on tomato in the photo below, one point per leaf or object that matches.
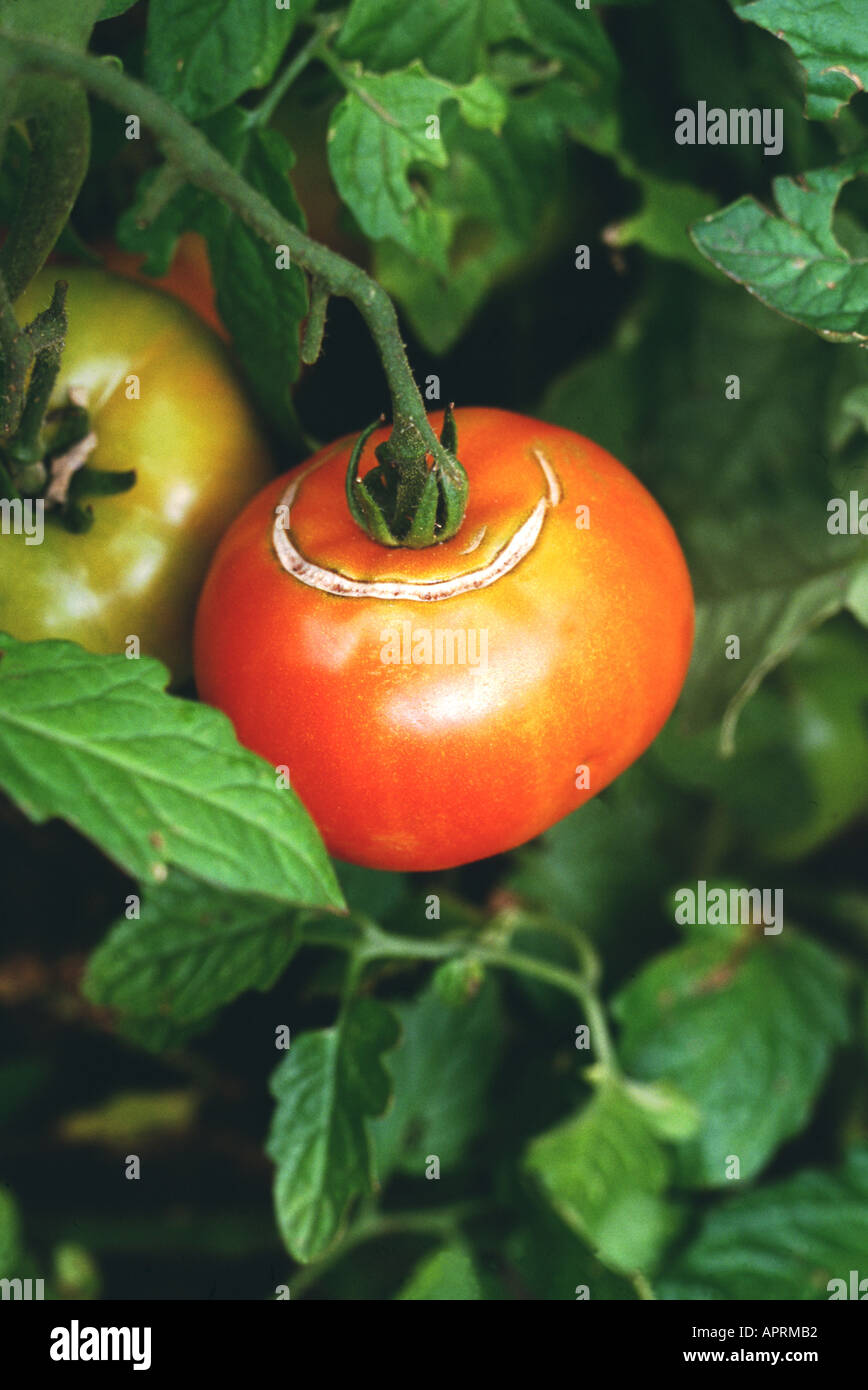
(420, 591)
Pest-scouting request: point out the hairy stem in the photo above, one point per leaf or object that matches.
(24, 394)
(380, 945)
(261, 114)
(311, 342)
(643, 1286)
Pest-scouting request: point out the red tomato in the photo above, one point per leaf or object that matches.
(437, 706)
(188, 277)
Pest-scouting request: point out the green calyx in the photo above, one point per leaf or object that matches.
(43, 451)
(22, 474)
(417, 493)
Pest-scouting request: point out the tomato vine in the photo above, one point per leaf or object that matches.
(189, 156)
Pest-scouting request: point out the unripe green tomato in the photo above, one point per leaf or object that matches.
(164, 400)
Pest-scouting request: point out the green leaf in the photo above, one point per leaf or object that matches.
(373, 893)
(785, 611)
(11, 1252)
(794, 263)
(112, 8)
(658, 399)
(34, 19)
(158, 238)
(745, 1031)
(575, 869)
(13, 172)
(481, 103)
(504, 199)
(668, 1112)
(587, 95)
(765, 785)
(441, 1073)
(157, 782)
(193, 950)
(262, 306)
(380, 131)
(459, 980)
(448, 1275)
(388, 34)
(159, 1034)
(785, 1241)
(662, 223)
(574, 36)
(827, 694)
(553, 1263)
(605, 1172)
(326, 1088)
(829, 40)
(205, 53)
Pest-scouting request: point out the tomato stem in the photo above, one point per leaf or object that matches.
(311, 341)
(643, 1286)
(261, 114)
(413, 441)
(161, 190)
(376, 944)
(26, 446)
(402, 501)
(30, 362)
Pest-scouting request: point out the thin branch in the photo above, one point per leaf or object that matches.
(261, 114)
(378, 945)
(165, 184)
(311, 342)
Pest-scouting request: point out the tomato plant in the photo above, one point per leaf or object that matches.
(492, 693)
(516, 810)
(163, 401)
